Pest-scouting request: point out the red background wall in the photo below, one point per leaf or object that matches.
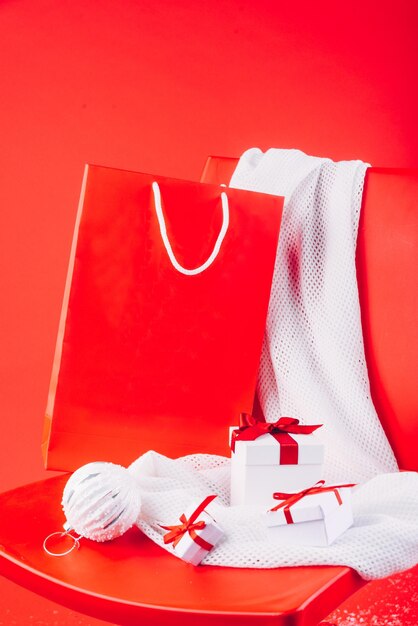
(157, 86)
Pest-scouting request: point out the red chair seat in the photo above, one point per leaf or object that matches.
(131, 580)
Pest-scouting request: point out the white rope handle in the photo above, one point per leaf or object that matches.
(167, 245)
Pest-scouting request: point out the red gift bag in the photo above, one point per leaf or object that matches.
(163, 318)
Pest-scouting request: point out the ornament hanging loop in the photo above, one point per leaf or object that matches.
(75, 545)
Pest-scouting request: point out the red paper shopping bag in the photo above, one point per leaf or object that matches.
(163, 318)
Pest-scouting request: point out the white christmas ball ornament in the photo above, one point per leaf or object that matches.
(101, 501)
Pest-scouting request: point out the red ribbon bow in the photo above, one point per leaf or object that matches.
(251, 428)
(292, 498)
(189, 526)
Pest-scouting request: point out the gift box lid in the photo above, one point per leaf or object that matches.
(266, 450)
(318, 506)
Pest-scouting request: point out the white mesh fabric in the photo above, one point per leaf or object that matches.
(312, 367)
(383, 540)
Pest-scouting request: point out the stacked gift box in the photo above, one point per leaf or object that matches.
(266, 457)
(276, 467)
(279, 466)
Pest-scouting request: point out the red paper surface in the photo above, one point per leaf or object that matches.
(147, 357)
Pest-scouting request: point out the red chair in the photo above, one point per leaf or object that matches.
(133, 581)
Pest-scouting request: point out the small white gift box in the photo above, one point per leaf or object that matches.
(195, 535)
(264, 465)
(316, 519)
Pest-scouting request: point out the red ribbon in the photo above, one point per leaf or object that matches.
(292, 498)
(251, 428)
(189, 526)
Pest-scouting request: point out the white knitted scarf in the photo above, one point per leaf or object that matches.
(312, 367)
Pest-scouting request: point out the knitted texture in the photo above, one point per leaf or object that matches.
(383, 540)
(312, 367)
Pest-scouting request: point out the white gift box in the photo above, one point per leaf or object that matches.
(256, 471)
(318, 520)
(187, 549)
